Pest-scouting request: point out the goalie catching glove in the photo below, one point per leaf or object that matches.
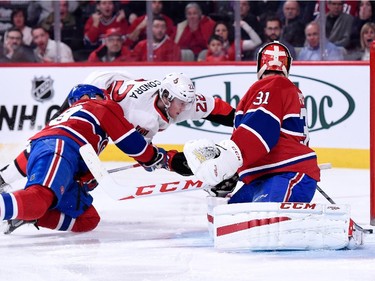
(213, 163)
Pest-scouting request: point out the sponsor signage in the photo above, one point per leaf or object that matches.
(336, 98)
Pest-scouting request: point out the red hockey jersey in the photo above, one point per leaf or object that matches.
(271, 130)
(93, 121)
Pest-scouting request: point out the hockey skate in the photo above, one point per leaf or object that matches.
(12, 225)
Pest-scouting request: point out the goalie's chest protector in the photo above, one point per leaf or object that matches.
(139, 105)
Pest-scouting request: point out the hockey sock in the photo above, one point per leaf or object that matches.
(54, 219)
(30, 203)
(15, 170)
(21, 162)
(87, 221)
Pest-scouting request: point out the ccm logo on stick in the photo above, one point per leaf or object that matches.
(165, 188)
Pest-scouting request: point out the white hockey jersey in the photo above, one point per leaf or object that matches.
(138, 97)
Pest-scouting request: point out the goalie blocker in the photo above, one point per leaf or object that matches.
(281, 226)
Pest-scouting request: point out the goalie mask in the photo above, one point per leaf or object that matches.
(179, 86)
(273, 56)
(81, 90)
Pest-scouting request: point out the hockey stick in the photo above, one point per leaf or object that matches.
(116, 190)
(326, 166)
(330, 200)
(114, 170)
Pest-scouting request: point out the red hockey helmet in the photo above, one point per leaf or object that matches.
(273, 56)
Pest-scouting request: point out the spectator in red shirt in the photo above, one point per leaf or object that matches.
(137, 30)
(104, 18)
(215, 49)
(112, 49)
(194, 32)
(164, 49)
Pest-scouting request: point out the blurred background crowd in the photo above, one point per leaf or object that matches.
(159, 31)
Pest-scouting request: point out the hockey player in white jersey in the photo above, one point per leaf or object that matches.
(151, 106)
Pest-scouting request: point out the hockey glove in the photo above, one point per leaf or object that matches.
(224, 188)
(160, 161)
(87, 181)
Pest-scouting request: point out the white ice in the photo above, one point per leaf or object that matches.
(166, 238)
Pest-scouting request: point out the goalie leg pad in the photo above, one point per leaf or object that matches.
(281, 226)
(213, 202)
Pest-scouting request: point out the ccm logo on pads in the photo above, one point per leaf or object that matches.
(289, 205)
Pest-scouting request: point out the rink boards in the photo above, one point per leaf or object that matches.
(336, 96)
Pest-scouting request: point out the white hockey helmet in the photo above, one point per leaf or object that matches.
(178, 85)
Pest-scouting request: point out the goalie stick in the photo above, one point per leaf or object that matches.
(325, 166)
(330, 200)
(116, 190)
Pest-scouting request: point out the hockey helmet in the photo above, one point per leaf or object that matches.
(80, 90)
(178, 85)
(273, 56)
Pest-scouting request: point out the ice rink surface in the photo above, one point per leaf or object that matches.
(166, 238)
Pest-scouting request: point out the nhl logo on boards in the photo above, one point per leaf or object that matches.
(42, 89)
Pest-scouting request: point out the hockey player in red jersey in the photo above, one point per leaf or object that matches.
(58, 180)
(269, 145)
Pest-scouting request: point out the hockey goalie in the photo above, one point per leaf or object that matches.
(261, 224)
(269, 153)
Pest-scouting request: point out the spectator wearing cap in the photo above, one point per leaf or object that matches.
(104, 18)
(164, 49)
(112, 49)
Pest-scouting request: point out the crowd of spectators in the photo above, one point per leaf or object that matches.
(114, 31)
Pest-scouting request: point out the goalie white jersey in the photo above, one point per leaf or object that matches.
(138, 98)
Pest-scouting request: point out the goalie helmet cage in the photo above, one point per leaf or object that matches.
(372, 133)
